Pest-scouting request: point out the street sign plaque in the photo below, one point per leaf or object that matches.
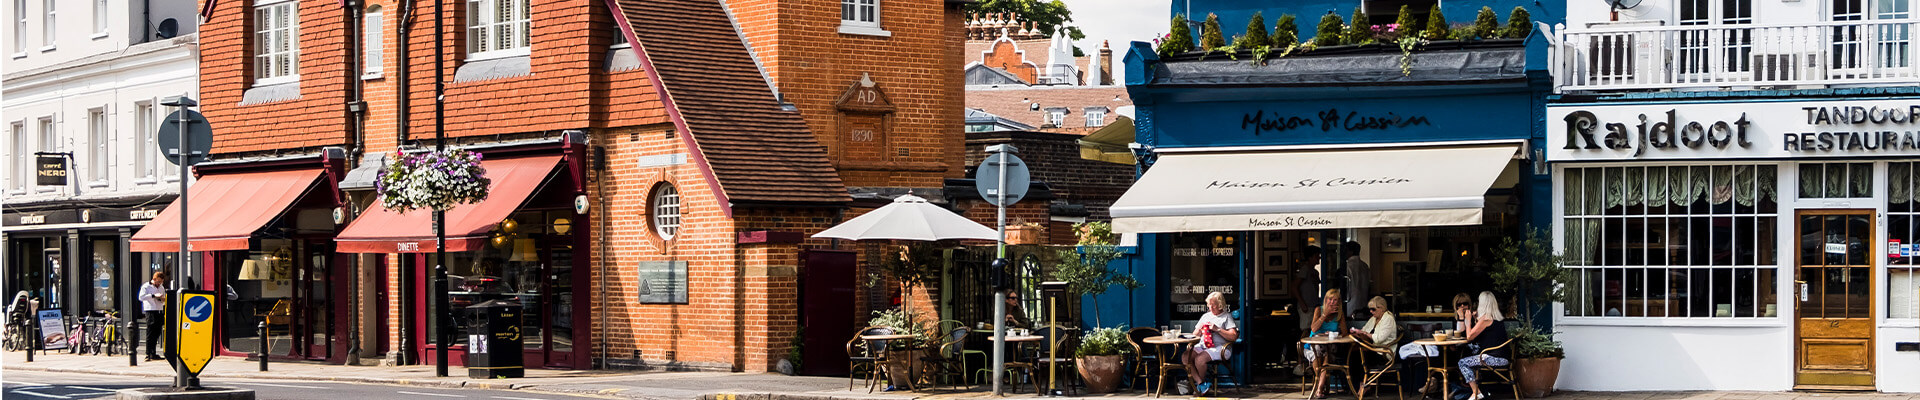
(987, 178)
(194, 311)
(197, 129)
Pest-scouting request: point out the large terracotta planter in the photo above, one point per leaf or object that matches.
(1102, 373)
(1537, 376)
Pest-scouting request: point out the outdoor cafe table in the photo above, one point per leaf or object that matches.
(1329, 341)
(1162, 343)
(889, 353)
(1444, 365)
(1018, 340)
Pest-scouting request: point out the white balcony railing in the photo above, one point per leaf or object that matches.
(1681, 57)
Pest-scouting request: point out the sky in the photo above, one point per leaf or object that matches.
(1118, 22)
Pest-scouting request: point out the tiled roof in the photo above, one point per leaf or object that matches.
(757, 151)
(1014, 102)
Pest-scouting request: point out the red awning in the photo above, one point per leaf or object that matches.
(380, 230)
(227, 210)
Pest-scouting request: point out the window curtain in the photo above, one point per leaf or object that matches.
(1860, 180)
(1722, 184)
(1571, 191)
(1899, 183)
(1683, 190)
(1810, 176)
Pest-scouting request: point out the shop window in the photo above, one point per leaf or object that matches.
(1203, 263)
(1836, 180)
(1903, 226)
(1679, 241)
(101, 278)
(664, 210)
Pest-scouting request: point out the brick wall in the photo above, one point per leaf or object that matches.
(799, 44)
(1054, 158)
(318, 117)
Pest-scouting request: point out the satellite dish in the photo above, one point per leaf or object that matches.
(1623, 4)
(169, 27)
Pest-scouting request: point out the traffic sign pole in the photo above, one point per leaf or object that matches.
(1005, 168)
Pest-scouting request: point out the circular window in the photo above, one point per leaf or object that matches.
(665, 210)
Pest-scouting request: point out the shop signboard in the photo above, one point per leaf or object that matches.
(51, 169)
(1750, 130)
(1384, 120)
(53, 330)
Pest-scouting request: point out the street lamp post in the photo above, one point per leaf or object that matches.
(441, 335)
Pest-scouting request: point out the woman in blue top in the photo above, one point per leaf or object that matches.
(1486, 331)
(1328, 318)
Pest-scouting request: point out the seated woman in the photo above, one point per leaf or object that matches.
(1381, 330)
(1486, 331)
(1217, 329)
(1328, 318)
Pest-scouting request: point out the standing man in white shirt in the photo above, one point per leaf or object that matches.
(153, 300)
(1359, 278)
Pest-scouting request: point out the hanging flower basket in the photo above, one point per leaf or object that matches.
(434, 180)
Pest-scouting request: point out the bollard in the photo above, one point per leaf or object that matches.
(263, 346)
(132, 336)
(33, 336)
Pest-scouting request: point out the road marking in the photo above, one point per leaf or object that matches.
(279, 385)
(50, 396)
(429, 394)
(515, 398)
(25, 383)
(91, 388)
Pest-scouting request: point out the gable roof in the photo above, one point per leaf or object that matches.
(751, 149)
(981, 74)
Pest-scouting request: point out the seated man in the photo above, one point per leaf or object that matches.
(1217, 329)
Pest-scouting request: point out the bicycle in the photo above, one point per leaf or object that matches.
(16, 336)
(110, 333)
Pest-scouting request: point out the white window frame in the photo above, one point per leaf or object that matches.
(146, 148)
(49, 142)
(19, 28)
(1906, 268)
(99, 19)
(49, 31)
(282, 66)
(664, 210)
(373, 51)
(1095, 116)
(17, 139)
(485, 23)
(1055, 116)
(99, 148)
(1571, 314)
(862, 17)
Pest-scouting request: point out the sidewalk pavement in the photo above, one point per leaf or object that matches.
(649, 385)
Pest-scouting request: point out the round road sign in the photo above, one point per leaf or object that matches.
(987, 179)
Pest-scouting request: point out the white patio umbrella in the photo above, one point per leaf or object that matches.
(910, 218)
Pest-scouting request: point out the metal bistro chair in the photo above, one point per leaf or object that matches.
(1375, 372)
(946, 360)
(1062, 364)
(1143, 363)
(871, 354)
(1218, 368)
(1501, 375)
(1024, 368)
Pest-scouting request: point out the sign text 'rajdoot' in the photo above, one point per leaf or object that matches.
(1734, 130)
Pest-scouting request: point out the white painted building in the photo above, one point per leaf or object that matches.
(1735, 183)
(86, 79)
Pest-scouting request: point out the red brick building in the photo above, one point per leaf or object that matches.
(656, 165)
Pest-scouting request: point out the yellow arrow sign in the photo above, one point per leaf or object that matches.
(195, 312)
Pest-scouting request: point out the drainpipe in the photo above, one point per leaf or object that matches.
(404, 114)
(356, 126)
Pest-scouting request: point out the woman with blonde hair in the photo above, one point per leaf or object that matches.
(1328, 318)
(1217, 329)
(1487, 331)
(1381, 331)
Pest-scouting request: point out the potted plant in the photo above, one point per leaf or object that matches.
(1100, 359)
(1530, 270)
(1537, 356)
(1084, 268)
(903, 322)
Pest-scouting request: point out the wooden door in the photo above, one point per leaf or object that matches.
(1833, 347)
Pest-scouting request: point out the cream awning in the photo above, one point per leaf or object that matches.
(1312, 189)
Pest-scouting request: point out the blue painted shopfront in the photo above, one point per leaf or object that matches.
(1227, 113)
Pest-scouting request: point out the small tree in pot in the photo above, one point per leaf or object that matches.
(1100, 358)
(1531, 270)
